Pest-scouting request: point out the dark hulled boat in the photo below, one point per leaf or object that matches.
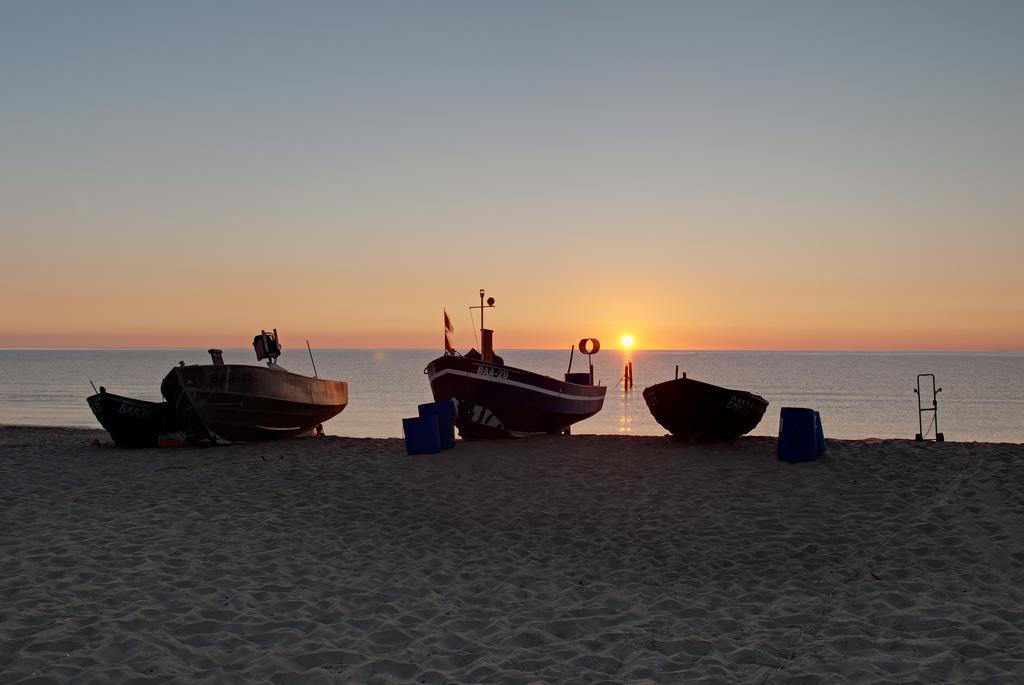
(703, 412)
(131, 422)
(494, 400)
(245, 403)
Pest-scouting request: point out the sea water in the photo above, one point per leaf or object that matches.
(859, 394)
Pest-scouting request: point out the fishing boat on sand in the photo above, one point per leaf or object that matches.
(494, 400)
(131, 422)
(245, 403)
(702, 412)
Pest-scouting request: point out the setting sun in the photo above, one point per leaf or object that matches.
(626, 341)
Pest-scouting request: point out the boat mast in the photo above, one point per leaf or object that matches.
(311, 359)
(490, 303)
(484, 344)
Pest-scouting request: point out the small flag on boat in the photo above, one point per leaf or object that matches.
(448, 328)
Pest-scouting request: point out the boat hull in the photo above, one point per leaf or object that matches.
(495, 401)
(241, 403)
(131, 422)
(703, 412)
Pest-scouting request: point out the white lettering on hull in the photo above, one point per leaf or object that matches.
(525, 386)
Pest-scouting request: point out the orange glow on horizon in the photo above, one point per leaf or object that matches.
(218, 308)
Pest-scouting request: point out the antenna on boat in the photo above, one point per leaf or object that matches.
(482, 307)
(485, 339)
(94, 387)
(311, 358)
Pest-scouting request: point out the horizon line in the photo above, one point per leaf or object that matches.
(552, 349)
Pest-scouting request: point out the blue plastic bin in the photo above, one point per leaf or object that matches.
(798, 434)
(820, 432)
(421, 435)
(445, 413)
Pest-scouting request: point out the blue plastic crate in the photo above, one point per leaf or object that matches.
(821, 433)
(421, 435)
(445, 413)
(798, 434)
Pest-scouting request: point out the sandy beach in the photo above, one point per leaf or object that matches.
(584, 559)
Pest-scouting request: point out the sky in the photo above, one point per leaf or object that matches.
(717, 175)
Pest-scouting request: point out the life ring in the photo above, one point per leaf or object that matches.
(594, 342)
